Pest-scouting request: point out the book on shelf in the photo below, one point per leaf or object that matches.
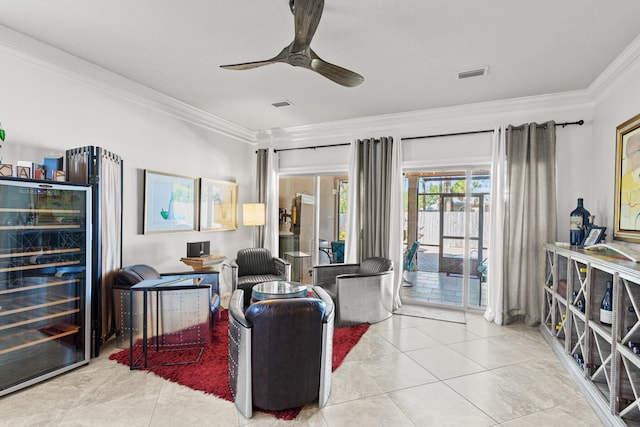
(51, 165)
(623, 250)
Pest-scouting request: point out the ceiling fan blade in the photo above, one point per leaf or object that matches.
(281, 57)
(333, 72)
(247, 65)
(307, 15)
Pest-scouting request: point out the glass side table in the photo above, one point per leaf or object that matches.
(278, 289)
(146, 315)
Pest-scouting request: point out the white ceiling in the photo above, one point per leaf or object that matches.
(407, 50)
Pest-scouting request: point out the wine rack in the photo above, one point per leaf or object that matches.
(547, 294)
(44, 294)
(628, 340)
(604, 360)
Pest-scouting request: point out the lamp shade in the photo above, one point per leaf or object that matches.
(252, 214)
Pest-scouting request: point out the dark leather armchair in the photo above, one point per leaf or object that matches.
(363, 293)
(252, 266)
(280, 352)
(125, 278)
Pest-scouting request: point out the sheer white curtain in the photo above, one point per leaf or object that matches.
(396, 219)
(267, 192)
(496, 236)
(352, 241)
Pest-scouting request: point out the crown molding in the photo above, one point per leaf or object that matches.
(431, 121)
(87, 73)
(601, 86)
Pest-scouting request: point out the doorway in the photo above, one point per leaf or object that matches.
(312, 221)
(447, 214)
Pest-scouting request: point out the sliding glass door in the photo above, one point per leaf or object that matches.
(447, 214)
(312, 222)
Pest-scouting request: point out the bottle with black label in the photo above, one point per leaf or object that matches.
(606, 307)
(578, 220)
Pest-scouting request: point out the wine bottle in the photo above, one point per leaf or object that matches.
(579, 360)
(578, 302)
(606, 308)
(578, 220)
(583, 274)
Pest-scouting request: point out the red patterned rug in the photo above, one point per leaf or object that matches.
(211, 373)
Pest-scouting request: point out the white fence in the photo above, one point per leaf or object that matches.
(429, 227)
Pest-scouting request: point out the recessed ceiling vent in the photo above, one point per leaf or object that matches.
(472, 73)
(284, 103)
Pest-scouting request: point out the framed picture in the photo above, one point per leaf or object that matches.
(218, 205)
(627, 190)
(170, 202)
(594, 235)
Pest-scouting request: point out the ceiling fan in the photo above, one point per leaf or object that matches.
(307, 15)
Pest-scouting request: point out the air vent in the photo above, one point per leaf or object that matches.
(472, 73)
(284, 103)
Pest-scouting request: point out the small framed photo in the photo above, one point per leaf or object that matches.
(23, 172)
(59, 175)
(6, 170)
(593, 235)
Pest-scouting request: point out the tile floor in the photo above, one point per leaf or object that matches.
(438, 288)
(405, 371)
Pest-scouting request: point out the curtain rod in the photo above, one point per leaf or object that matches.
(313, 147)
(579, 123)
(408, 138)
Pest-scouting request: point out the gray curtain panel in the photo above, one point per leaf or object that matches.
(375, 173)
(530, 217)
(262, 174)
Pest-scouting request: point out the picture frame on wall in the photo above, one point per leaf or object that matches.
(627, 187)
(170, 202)
(218, 205)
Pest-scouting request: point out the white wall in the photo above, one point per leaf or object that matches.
(329, 160)
(45, 112)
(616, 104)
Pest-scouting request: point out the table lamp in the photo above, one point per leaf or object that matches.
(253, 214)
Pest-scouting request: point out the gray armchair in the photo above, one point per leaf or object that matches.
(252, 266)
(363, 293)
(207, 295)
(280, 352)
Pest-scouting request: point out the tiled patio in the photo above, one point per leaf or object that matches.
(438, 288)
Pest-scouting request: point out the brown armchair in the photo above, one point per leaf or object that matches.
(252, 266)
(363, 293)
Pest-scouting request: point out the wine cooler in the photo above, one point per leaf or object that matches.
(44, 287)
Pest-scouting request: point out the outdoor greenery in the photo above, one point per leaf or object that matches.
(429, 190)
(343, 197)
